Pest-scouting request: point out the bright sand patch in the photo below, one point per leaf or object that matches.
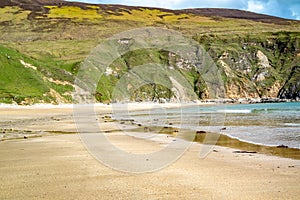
(59, 167)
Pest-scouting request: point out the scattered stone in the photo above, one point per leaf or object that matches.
(215, 150)
(139, 124)
(122, 122)
(224, 128)
(291, 166)
(170, 123)
(244, 152)
(127, 120)
(25, 137)
(282, 146)
(246, 100)
(200, 132)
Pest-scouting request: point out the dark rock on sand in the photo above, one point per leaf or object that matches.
(200, 132)
(244, 152)
(282, 146)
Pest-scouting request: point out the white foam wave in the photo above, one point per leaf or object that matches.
(234, 111)
(291, 124)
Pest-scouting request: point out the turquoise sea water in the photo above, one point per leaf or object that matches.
(269, 124)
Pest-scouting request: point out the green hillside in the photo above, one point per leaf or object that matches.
(25, 80)
(43, 43)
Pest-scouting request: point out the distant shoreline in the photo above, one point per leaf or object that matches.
(166, 104)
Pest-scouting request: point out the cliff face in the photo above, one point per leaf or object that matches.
(265, 66)
(256, 67)
(43, 43)
(291, 88)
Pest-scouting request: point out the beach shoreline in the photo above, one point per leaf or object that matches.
(163, 104)
(58, 113)
(56, 165)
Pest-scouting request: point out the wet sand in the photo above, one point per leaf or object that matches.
(57, 166)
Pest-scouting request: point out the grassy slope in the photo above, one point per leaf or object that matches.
(26, 80)
(54, 38)
(16, 80)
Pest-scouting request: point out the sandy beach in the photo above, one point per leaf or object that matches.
(50, 162)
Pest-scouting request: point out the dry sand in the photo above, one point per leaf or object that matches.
(57, 166)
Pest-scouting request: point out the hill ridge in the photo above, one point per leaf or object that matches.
(35, 5)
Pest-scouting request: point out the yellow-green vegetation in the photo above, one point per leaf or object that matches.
(141, 15)
(70, 12)
(152, 16)
(62, 50)
(14, 13)
(93, 7)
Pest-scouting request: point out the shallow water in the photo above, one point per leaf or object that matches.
(269, 124)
